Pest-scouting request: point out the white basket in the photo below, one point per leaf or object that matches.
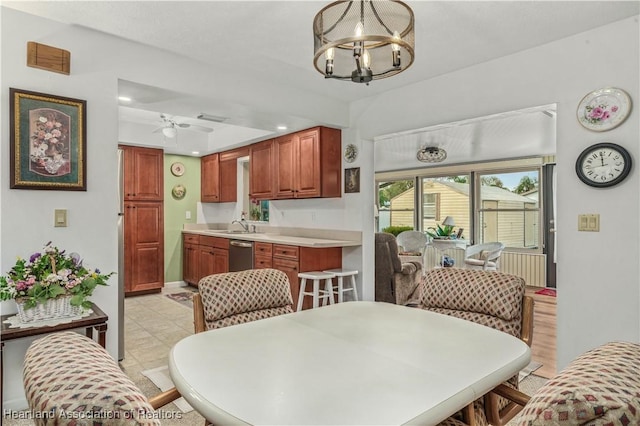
(60, 307)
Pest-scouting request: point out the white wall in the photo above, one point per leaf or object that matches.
(598, 284)
(97, 62)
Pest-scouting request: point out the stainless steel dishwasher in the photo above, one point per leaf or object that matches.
(240, 255)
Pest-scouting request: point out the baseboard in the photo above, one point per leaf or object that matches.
(17, 404)
(175, 284)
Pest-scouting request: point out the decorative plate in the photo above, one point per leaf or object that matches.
(178, 192)
(177, 168)
(350, 153)
(604, 109)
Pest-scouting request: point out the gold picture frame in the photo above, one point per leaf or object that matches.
(48, 141)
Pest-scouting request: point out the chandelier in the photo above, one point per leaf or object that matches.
(363, 40)
(431, 154)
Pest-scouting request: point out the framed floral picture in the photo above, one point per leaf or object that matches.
(48, 141)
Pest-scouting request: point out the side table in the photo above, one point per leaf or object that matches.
(97, 319)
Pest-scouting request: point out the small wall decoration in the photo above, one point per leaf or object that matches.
(352, 180)
(48, 141)
(177, 168)
(604, 109)
(178, 191)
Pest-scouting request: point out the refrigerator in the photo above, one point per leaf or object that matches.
(120, 274)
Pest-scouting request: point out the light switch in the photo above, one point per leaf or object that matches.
(589, 222)
(60, 218)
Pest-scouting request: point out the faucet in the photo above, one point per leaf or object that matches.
(242, 223)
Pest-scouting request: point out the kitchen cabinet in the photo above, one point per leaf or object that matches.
(262, 255)
(261, 170)
(210, 179)
(190, 258)
(293, 259)
(144, 246)
(308, 164)
(143, 173)
(213, 256)
(219, 176)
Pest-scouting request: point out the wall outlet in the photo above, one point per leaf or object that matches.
(187, 215)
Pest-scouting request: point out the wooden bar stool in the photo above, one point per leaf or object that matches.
(341, 273)
(316, 276)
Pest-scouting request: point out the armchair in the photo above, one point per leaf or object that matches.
(396, 282)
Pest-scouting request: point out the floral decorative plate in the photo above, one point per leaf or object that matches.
(604, 109)
(350, 153)
(179, 191)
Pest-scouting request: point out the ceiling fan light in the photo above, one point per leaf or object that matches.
(431, 154)
(169, 132)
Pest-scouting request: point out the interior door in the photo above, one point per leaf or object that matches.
(549, 186)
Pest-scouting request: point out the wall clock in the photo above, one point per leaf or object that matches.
(177, 168)
(603, 164)
(350, 153)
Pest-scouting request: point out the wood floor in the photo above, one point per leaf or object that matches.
(543, 348)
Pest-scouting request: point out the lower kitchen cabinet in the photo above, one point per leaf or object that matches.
(262, 257)
(144, 246)
(203, 255)
(190, 258)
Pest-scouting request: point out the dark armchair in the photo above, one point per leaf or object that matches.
(396, 282)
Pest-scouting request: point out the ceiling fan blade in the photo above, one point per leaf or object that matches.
(183, 125)
(159, 129)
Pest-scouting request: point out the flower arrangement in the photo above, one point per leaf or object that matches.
(255, 213)
(48, 275)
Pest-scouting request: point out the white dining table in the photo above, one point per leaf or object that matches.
(352, 363)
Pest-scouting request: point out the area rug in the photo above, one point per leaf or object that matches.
(160, 377)
(184, 298)
(547, 292)
(533, 366)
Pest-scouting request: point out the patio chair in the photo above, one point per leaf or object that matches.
(413, 242)
(493, 299)
(483, 256)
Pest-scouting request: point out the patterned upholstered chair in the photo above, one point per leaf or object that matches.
(493, 299)
(599, 388)
(396, 282)
(71, 377)
(239, 297)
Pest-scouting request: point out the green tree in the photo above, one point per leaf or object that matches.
(492, 181)
(526, 184)
(388, 190)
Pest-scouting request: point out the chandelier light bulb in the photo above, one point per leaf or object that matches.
(359, 29)
(329, 54)
(366, 59)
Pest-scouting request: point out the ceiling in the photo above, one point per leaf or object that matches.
(275, 38)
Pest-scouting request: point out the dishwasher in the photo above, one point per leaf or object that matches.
(240, 255)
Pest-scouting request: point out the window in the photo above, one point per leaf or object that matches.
(508, 209)
(430, 206)
(445, 196)
(396, 204)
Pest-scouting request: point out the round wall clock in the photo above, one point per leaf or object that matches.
(177, 168)
(603, 164)
(350, 153)
(604, 109)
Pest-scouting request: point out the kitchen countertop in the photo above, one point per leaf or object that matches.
(266, 237)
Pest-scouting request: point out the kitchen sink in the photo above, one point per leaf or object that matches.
(240, 231)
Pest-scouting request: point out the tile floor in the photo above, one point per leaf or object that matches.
(153, 324)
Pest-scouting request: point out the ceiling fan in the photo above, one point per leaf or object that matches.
(170, 126)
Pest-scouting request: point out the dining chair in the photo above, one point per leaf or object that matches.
(483, 256)
(493, 299)
(238, 297)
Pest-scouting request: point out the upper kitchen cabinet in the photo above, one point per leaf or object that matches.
(261, 170)
(219, 174)
(308, 164)
(229, 173)
(143, 178)
(210, 178)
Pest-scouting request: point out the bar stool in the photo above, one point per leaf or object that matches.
(341, 273)
(316, 276)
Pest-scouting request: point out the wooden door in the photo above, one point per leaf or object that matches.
(210, 179)
(144, 253)
(143, 173)
(228, 180)
(308, 173)
(207, 262)
(190, 263)
(261, 166)
(220, 261)
(287, 163)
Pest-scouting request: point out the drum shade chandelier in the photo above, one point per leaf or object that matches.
(363, 40)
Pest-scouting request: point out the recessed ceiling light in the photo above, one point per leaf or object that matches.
(282, 127)
(124, 98)
(195, 152)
